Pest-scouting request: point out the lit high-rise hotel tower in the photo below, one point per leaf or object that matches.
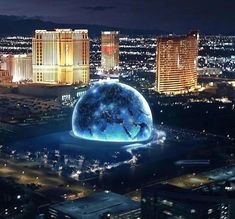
(61, 56)
(110, 51)
(176, 61)
(19, 66)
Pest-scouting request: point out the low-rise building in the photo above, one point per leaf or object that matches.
(205, 195)
(100, 205)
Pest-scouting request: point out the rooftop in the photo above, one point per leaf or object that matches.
(189, 181)
(61, 30)
(110, 32)
(97, 204)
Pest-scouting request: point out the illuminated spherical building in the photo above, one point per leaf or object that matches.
(112, 112)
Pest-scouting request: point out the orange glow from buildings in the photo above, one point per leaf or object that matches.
(177, 63)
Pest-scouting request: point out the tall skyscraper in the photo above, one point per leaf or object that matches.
(61, 56)
(176, 62)
(18, 66)
(110, 51)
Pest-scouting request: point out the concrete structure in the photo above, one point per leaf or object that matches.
(27, 116)
(59, 92)
(61, 56)
(176, 62)
(205, 195)
(99, 205)
(19, 66)
(110, 51)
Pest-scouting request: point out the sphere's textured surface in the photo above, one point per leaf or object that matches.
(112, 112)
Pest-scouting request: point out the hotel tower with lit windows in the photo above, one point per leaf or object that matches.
(110, 51)
(61, 56)
(19, 66)
(176, 61)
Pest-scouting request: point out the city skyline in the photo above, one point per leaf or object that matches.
(117, 109)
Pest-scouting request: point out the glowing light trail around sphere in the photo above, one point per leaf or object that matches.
(112, 112)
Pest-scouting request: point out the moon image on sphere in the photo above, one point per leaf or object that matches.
(114, 112)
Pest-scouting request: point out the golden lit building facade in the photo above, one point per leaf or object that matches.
(18, 66)
(61, 56)
(110, 51)
(176, 61)
(5, 77)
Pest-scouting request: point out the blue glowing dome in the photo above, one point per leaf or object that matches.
(112, 112)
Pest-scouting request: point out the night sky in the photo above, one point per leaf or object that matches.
(166, 15)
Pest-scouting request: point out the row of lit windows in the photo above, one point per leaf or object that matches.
(39, 77)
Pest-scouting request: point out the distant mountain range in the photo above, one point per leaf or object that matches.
(14, 25)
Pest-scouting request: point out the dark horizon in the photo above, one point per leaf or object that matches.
(169, 16)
